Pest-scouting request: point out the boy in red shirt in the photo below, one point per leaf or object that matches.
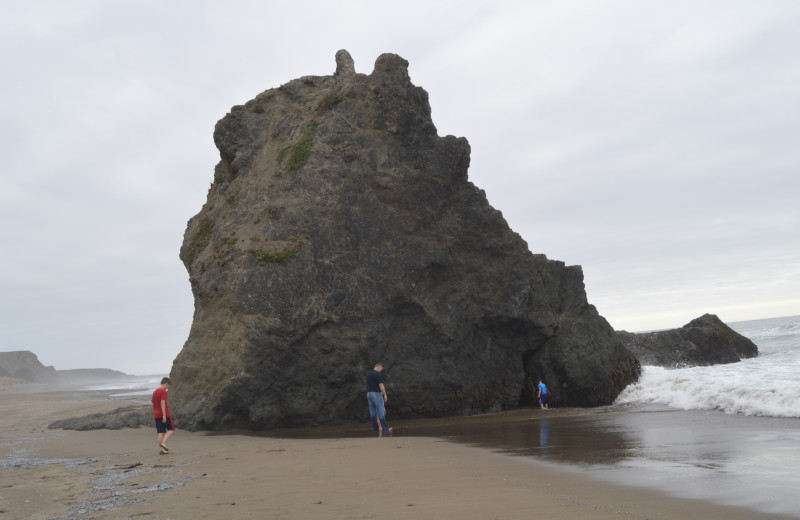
(165, 426)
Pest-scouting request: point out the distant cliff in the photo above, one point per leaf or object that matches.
(703, 341)
(90, 375)
(25, 365)
(341, 230)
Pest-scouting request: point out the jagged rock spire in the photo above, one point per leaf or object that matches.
(344, 63)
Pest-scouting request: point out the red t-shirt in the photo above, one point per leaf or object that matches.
(160, 395)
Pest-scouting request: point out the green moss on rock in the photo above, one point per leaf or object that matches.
(281, 256)
(199, 241)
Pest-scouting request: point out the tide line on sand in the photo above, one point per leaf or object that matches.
(113, 474)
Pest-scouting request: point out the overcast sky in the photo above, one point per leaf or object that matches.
(654, 143)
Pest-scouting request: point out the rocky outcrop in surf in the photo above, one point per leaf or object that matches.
(703, 341)
(341, 230)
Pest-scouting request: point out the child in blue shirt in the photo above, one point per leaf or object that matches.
(542, 395)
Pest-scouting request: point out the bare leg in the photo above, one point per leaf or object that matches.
(162, 440)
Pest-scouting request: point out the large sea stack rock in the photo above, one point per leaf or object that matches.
(341, 230)
(703, 341)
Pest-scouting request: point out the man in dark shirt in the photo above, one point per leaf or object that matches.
(376, 397)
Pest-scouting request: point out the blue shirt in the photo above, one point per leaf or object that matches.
(374, 379)
(543, 388)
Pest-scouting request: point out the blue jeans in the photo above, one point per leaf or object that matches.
(376, 410)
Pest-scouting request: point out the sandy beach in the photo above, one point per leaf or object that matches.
(120, 474)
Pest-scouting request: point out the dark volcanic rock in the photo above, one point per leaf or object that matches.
(127, 417)
(703, 341)
(341, 230)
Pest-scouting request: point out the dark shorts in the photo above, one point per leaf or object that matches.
(162, 425)
(543, 398)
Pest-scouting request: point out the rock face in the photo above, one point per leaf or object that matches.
(341, 230)
(703, 341)
(25, 365)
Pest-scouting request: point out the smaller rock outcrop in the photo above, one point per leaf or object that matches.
(25, 365)
(703, 341)
(127, 417)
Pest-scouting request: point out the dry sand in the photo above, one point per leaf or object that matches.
(119, 474)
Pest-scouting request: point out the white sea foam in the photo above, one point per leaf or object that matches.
(129, 387)
(768, 385)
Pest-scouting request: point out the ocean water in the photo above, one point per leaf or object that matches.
(767, 386)
(728, 434)
(135, 386)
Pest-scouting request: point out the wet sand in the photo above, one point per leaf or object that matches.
(734, 460)
(119, 474)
